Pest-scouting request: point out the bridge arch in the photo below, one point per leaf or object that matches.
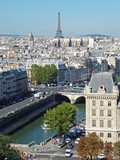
(59, 98)
(80, 100)
(74, 97)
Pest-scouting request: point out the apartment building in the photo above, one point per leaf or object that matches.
(13, 83)
(102, 107)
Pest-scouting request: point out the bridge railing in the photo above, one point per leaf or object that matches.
(73, 91)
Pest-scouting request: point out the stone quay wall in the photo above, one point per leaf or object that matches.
(16, 120)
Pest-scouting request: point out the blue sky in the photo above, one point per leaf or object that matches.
(77, 17)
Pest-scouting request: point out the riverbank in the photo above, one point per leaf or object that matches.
(34, 132)
(47, 147)
(27, 113)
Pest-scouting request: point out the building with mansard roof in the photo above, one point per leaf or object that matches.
(102, 107)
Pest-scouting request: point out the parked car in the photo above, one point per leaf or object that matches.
(72, 135)
(83, 134)
(70, 145)
(68, 153)
(67, 140)
(77, 140)
(58, 139)
(31, 100)
(61, 144)
(101, 157)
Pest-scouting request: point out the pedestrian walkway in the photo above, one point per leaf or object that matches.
(49, 145)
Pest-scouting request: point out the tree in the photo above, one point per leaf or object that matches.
(5, 149)
(60, 118)
(117, 149)
(35, 73)
(45, 74)
(118, 78)
(89, 146)
(108, 150)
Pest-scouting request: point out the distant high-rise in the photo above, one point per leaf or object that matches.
(59, 31)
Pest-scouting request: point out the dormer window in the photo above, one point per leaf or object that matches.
(101, 87)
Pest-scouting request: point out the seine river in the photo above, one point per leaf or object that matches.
(34, 131)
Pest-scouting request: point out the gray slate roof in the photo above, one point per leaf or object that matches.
(105, 79)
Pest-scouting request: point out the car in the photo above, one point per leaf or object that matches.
(14, 102)
(68, 153)
(77, 129)
(70, 145)
(61, 144)
(101, 157)
(12, 111)
(72, 135)
(58, 139)
(31, 100)
(77, 140)
(67, 140)
(83, 134)
(82, 126)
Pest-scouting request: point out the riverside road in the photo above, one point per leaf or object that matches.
(27, 100)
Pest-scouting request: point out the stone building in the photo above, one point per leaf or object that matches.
(31, 40)
(13, 85)
(102, 107)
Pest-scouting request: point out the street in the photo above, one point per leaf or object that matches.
(29, 100)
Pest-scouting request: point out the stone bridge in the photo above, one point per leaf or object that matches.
(73, 96)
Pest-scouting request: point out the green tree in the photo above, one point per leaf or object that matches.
(60, 117)
(89, 146)
(118, 78)
(117, 149)
(35, 73)
(5, 149)
(54, 72)
(45, 74)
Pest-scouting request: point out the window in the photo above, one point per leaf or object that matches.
(101, 103)
(93, 112)
(101, 123)
(109, 124)
(109, 103)
(101, 135)
(109, 135)
(93, 123)
(93, 103)
(119, 136)
(101, 113)
(109, 113)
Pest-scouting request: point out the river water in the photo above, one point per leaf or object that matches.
(34, 132)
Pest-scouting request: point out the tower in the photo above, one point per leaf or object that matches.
(31, 40)
(59, 31)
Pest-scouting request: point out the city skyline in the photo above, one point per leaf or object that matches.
(77, 17)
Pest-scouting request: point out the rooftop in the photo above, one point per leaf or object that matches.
(105, 79)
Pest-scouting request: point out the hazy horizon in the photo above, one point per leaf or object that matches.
(78, 17)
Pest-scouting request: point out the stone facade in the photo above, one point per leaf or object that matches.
(102, 107)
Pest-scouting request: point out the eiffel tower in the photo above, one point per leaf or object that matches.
(59, 31)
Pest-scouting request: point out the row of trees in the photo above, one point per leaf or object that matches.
(45, 75)
(6, 151)
(91, 146)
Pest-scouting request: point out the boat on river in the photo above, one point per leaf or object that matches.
(44, 126)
